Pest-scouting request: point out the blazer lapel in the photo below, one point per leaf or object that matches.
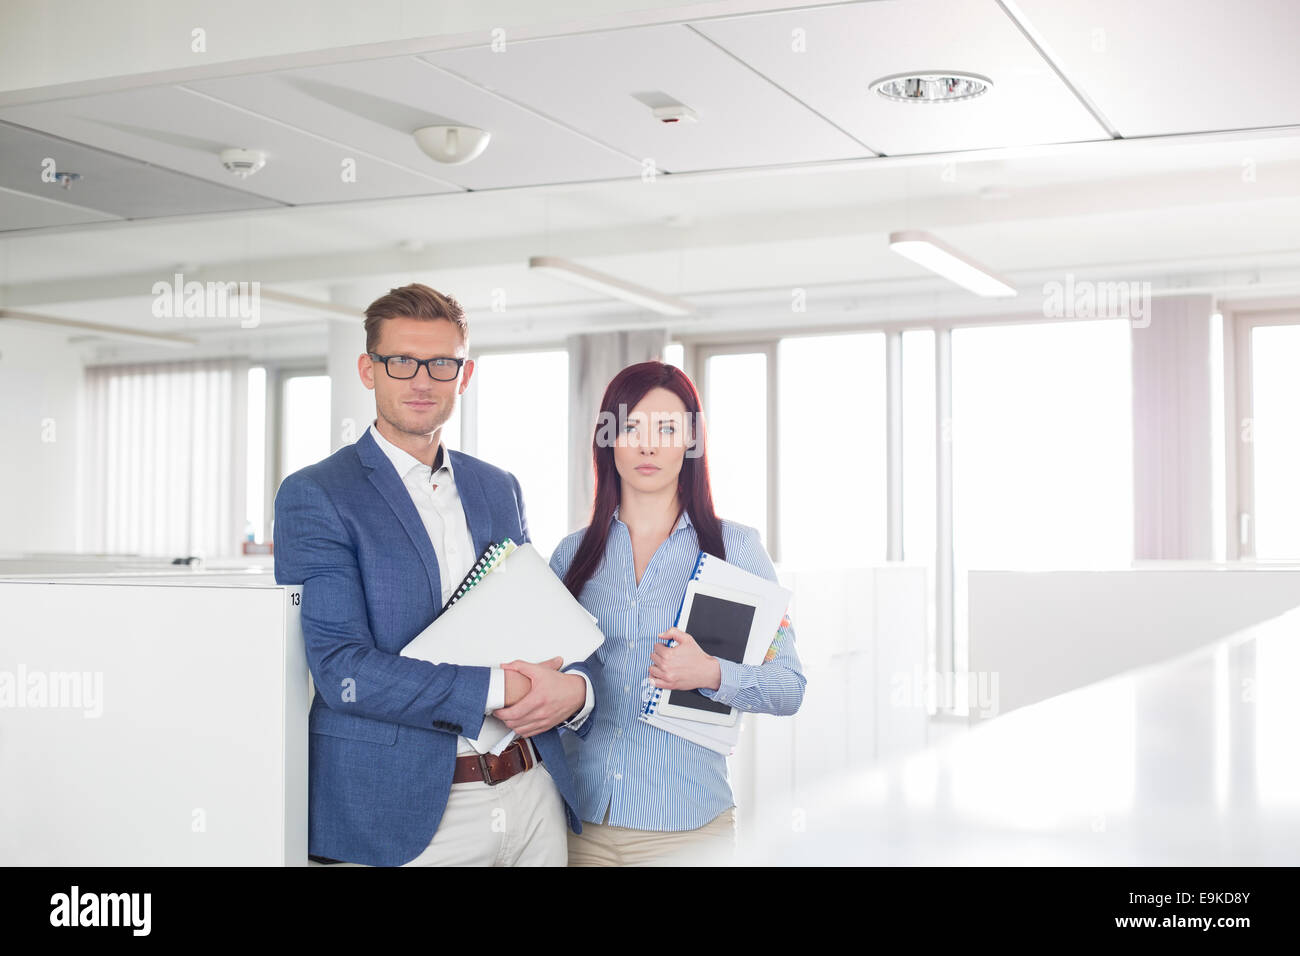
(384, 477)
(472, 498)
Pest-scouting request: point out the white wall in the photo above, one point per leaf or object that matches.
(42, 414)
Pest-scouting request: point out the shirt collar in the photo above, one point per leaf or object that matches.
(404, 461)
(682, 522)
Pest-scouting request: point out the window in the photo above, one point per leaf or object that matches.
(521, 402)
(736, 418)
(304, 422)
(168, 442)
(1042, 450)
(832, 448)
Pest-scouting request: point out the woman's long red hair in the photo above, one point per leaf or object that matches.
(627, 389)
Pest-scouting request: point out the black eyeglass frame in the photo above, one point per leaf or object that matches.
(427, 363)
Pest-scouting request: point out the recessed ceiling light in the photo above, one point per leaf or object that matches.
(943, 86)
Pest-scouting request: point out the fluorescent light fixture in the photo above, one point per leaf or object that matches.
(939, 257)
(97, 329)
(611, 285)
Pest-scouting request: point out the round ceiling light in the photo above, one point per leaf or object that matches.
(937, 87)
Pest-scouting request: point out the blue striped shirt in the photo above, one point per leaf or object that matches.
(648, 778)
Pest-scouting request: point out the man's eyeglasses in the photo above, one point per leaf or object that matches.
(403, 366)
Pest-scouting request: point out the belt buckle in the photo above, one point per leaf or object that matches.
(483, 769)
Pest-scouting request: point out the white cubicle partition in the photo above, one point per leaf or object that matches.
(152, 721)
(862, 637)
(1045, 633)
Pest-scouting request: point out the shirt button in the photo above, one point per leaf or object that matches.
(631, 644)
(627, 688)
(618, 776)
(618, 732)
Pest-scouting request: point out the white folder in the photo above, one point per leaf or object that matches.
(519, 611)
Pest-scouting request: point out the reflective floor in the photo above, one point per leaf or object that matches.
(1195, 761)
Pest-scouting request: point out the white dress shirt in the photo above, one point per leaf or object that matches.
(437, 502)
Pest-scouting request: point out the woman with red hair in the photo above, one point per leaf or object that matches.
(646, 794)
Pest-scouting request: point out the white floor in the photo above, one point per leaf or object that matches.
(1189, 762)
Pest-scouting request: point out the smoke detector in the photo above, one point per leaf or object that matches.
(243, 162)
(676, 113)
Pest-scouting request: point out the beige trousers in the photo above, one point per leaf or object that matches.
(519, 822)
(600, 844)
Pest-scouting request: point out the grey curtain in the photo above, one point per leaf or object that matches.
(594, 359)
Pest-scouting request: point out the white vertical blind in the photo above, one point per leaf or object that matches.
(166, 446)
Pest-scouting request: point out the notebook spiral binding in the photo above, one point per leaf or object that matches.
(492, 555)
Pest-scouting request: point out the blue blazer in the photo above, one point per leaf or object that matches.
(383, 728)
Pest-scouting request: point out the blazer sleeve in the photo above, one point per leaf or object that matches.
(776, 686)
(314, 549)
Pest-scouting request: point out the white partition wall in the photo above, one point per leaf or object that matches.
(861, 635)
(1044, 633)
(152, 722)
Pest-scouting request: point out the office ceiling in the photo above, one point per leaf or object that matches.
(1160, 135)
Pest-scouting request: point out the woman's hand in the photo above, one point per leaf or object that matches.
(684, 667)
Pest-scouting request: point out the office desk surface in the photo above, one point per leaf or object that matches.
(1194, 761)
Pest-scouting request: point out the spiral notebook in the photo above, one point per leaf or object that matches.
(510, 606)
(734, 614)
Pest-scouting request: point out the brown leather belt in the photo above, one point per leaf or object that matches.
(473, 768)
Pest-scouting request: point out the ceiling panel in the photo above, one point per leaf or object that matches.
(592, 82)
(185, 130)
(846, 48)
(377, 104)
(111, 186)
(21, 211)
(1178, 66)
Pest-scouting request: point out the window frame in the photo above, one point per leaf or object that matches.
(1239, 321)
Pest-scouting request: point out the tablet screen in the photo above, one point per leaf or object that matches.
(721, 628)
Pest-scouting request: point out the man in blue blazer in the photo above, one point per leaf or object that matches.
(379, 534)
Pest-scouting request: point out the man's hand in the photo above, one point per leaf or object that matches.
(517, 687)
(553, 698)
(684, 667)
